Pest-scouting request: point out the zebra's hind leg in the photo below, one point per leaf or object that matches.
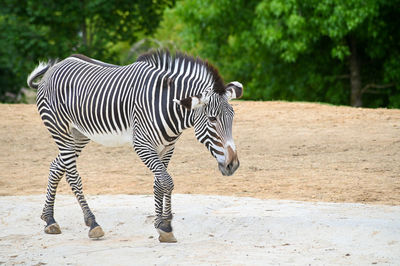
(74, 180)
(57, 171)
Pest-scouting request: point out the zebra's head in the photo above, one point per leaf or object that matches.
(213, 118)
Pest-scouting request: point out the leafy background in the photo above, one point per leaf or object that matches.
(338, 52)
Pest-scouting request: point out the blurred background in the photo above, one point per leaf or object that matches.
(344, 52)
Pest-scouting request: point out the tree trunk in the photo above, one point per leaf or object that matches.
(84, 34)
(355, 78)
(83, 27)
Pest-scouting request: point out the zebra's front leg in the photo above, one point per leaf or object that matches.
(163, 186)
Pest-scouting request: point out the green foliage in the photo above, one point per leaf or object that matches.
(280, 49)
(31, 30)
(298, 49)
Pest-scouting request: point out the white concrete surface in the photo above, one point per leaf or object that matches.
(210, 230)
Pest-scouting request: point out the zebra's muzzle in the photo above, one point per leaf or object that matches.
(231, 163)
(230, 168)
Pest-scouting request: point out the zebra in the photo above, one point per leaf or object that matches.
(146, 104)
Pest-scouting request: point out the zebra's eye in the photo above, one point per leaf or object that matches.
(212, 119)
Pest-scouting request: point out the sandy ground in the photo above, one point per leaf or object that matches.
(297, 151)
(211, 230)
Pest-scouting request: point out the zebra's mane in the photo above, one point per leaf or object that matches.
(165, 60)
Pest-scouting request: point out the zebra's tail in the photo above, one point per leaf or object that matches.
(39, 71)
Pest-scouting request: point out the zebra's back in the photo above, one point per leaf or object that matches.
(96, 99)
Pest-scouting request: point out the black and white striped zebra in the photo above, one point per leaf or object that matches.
(146, 104)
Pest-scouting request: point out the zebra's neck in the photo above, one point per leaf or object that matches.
(180, 81)
(187, 117)
(177, 76)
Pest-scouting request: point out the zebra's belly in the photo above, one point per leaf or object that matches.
(111, 139)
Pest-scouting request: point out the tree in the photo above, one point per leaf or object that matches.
(36, 29)
(341, 52)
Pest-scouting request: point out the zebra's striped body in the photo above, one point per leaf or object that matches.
(82, 99)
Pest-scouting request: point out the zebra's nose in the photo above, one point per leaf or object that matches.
(232, 166)
(229, 167)
(232, 162)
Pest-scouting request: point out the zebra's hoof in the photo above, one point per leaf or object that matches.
(166, 237)
(96, 232)
(52, 229)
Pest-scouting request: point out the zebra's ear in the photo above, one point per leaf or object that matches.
(191, 102)
(234, 90)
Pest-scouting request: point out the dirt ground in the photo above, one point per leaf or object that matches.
(297, 151)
